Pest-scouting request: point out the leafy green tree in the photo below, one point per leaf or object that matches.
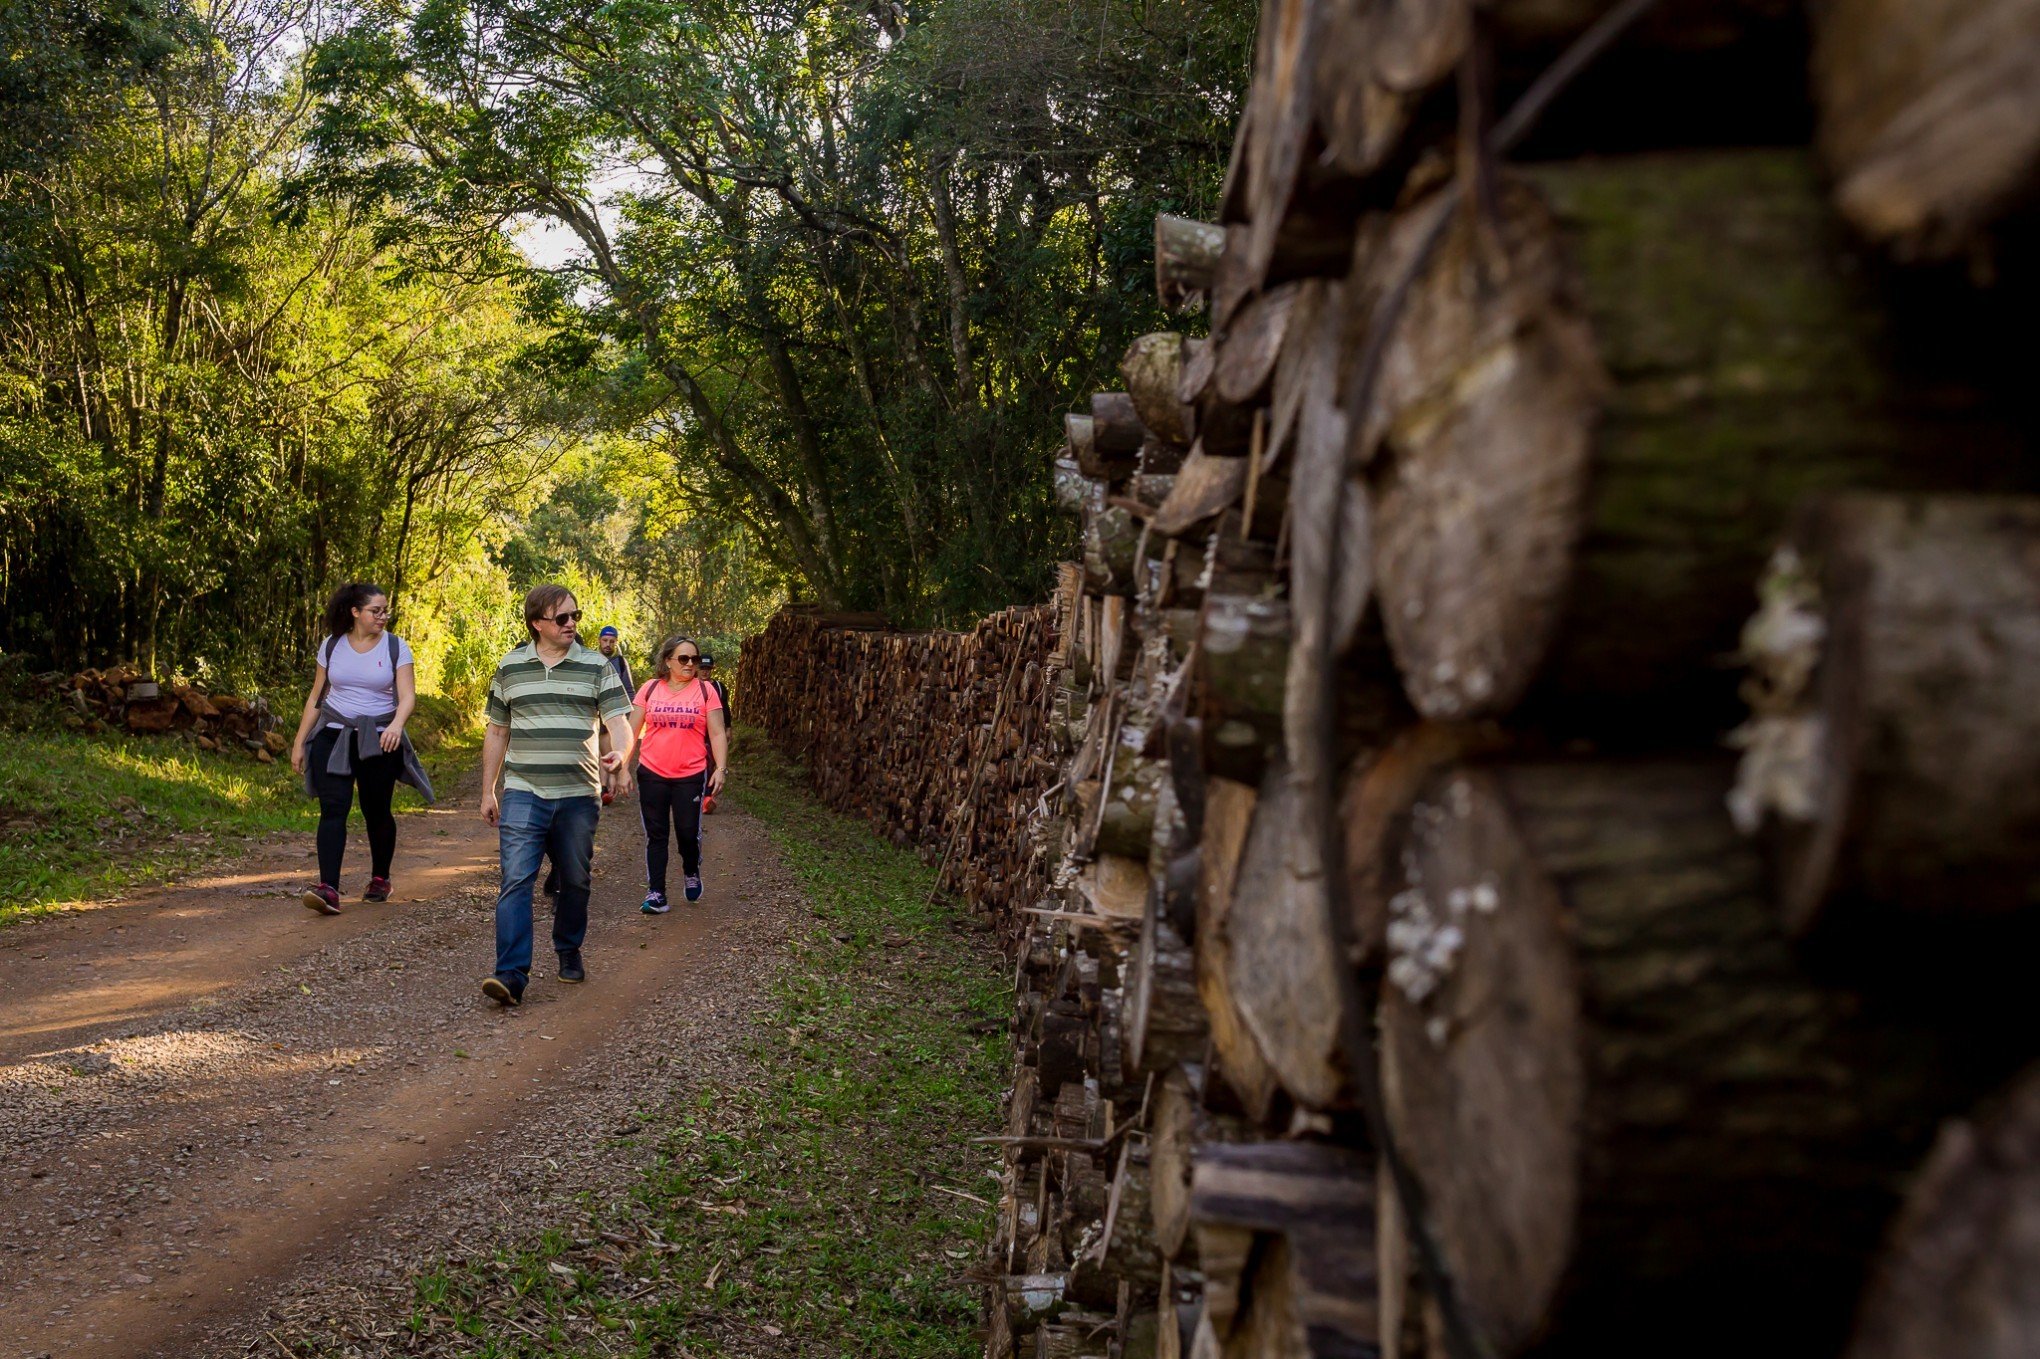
(859, 260)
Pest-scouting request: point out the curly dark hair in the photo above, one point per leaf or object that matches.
(349, 597)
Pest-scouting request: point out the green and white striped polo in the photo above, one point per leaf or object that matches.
(552, 713)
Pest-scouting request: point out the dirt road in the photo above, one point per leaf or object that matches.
(211, 1095)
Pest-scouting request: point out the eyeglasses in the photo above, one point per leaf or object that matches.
(377, 613)
(562, 619)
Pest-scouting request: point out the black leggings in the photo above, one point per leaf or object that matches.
(676, 801)
(376, 780)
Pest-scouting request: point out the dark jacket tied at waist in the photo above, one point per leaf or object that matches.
(360, 736)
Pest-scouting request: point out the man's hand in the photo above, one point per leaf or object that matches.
(618, 769)
(490, 806)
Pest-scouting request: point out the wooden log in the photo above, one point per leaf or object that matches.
(1251, 1190)
(1929, 116)
(1164, 1022)
(1116, 886)
(1958, 1278)
(1622, 1094)
(1486, 408)
(1072, 487)
(1312, 1295)
(1282, 966)
(1126, 1247)
(1243, 663)
(1116, 425)
(1152, 368)
(1095, 460)
(1111, 539)
(1204, 486)
(1125, 817)
(1177, 1110)
(1186, 257)
(1181, 1125)
(1247, 351)
(1228, 817)
(1736, 391)
(1294, 215)
(1896, 736)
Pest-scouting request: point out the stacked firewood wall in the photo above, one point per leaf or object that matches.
(1550, 846)
(938, 739)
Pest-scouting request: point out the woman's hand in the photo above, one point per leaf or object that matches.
(297, 757)
(715, 781)
(392, 737)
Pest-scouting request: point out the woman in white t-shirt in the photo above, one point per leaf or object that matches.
(363, 690)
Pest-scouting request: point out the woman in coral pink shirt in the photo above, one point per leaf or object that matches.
(678, 720)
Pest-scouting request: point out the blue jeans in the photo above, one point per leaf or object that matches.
(529, 828)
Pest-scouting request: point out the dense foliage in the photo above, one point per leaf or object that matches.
(812, 282)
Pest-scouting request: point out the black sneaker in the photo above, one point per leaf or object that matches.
(571, 969)
(504, 993)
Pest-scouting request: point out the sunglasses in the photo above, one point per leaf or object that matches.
(688, 660)
(562, 619)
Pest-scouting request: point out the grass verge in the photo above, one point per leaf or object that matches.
(84, 816)
(826, 1199)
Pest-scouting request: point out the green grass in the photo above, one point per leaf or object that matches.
(84, 816)
(794, 1207)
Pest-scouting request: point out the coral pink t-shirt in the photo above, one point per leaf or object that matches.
(674, 742)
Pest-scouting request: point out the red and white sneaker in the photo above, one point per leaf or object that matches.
(322, 899)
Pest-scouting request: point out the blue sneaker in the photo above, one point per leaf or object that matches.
(694, 887)
(655, 904)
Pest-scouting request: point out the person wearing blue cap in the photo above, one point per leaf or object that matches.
(606, 641)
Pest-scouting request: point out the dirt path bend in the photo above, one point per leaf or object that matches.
(210, 1095)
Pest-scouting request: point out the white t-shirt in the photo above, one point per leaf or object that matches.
(359, 683)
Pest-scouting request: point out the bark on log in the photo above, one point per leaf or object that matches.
(1961, 1276)
(1896, 736)
(1165, 1024)
(1736, 392)
(1623, 1095)
(1111, 539)
(1312, 1295)
(1116, 426)
(1245, 1198)
(1929, 115)
(1152, 368)
(1081, 434)
(1186, 257)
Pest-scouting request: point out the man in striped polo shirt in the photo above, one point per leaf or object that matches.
(548, 702)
